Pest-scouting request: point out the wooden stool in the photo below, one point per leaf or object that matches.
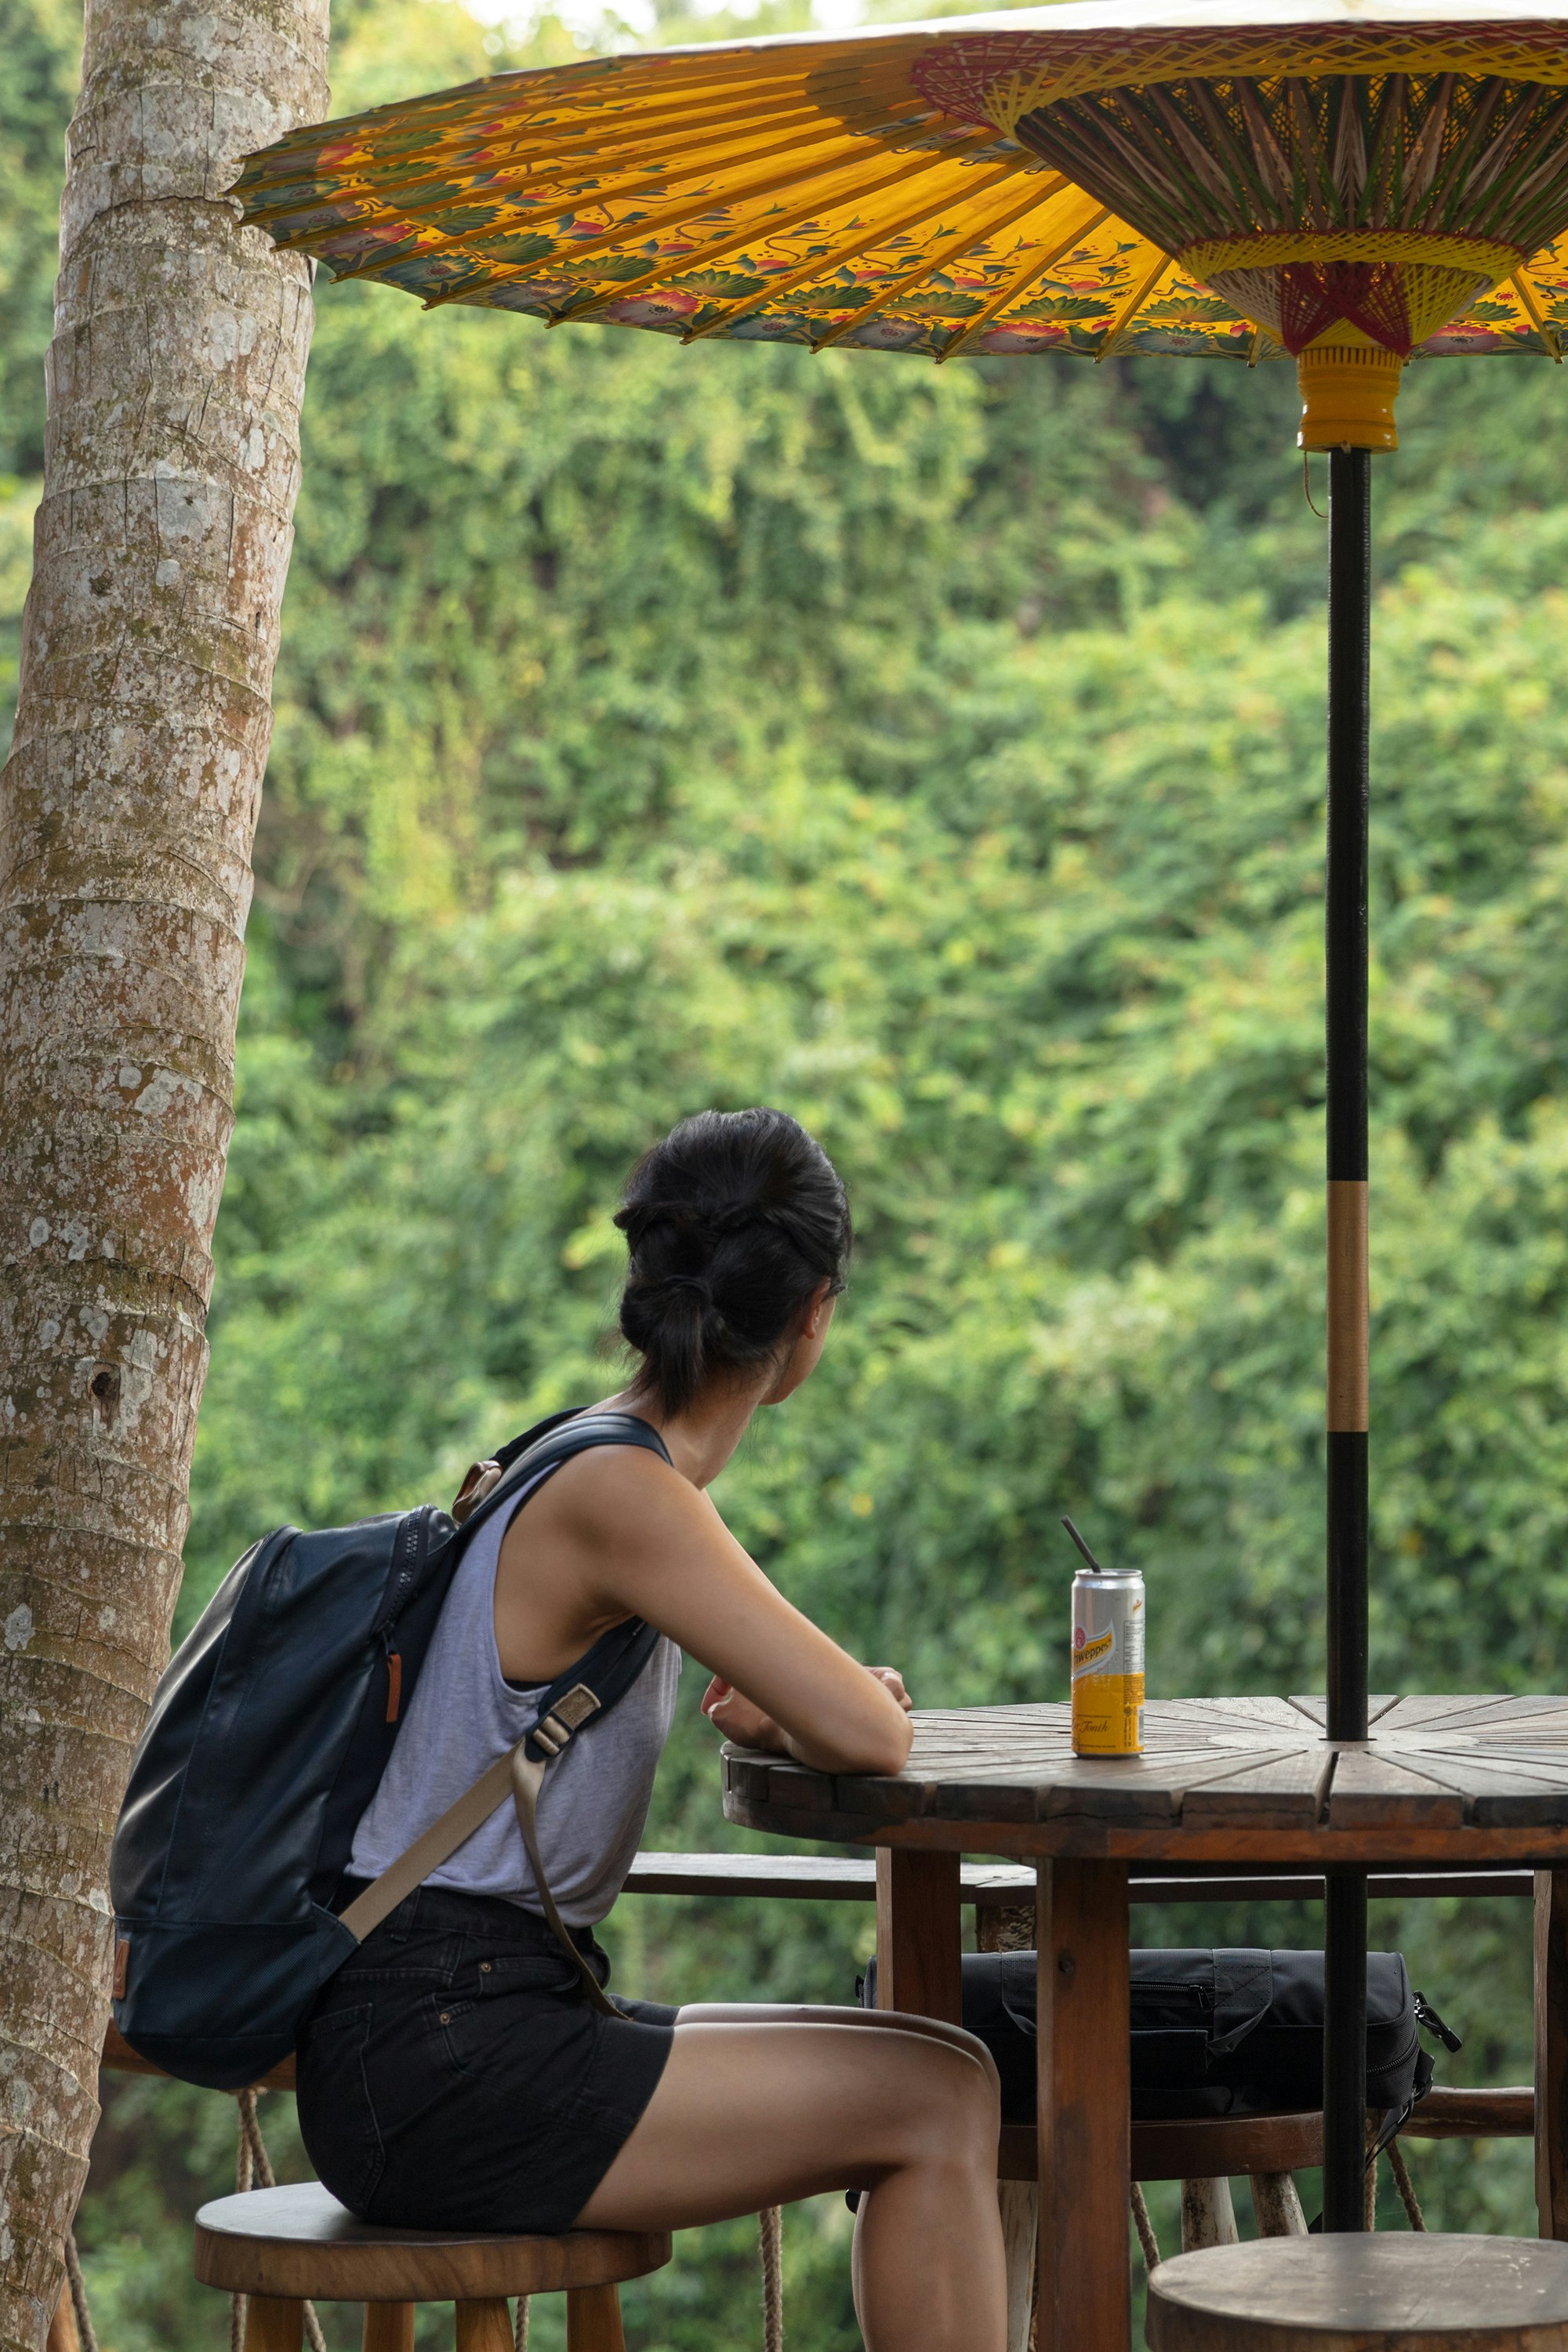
(1356, 2294)
(280, 2246)
(1203, 2152)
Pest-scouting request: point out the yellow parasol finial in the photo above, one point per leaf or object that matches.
(1349, 385)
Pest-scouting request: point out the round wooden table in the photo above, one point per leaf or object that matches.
(1449, 1782)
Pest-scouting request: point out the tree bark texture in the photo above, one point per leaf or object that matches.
(127, 811)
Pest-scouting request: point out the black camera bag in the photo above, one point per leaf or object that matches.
(1215, 2033)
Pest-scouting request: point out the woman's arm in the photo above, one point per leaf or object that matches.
(637, 1536)
(737, 1717)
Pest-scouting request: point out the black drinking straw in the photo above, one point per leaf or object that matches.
(1081, 1545)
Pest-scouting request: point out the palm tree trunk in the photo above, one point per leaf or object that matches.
(126, 815)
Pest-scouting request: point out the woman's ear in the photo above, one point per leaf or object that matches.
(810, 1333)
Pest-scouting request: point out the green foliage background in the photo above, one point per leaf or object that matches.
(939, 755)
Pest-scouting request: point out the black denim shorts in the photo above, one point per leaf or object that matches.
(454, 2074)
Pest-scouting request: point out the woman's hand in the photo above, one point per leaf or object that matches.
(740, 1720)
(737, 1718)
(890, 1679)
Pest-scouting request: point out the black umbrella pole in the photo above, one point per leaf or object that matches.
(1344, 1917)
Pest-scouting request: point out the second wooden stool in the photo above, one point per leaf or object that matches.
(1433, 2293)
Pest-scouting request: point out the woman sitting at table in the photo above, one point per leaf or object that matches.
(454, 2072)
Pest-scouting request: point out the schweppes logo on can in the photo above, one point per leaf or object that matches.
(1093, 1657)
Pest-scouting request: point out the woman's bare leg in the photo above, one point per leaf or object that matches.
(759, 2108)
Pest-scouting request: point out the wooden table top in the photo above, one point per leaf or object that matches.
(1447, 1777)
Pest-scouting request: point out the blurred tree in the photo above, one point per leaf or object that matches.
(40, 41)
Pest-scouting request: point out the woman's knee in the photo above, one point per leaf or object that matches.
(947, 2098)
(934, 2028)
(982, 2083)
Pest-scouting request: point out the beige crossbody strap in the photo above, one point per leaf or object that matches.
(515, 1774)
(443, 1838)
(526, 1777)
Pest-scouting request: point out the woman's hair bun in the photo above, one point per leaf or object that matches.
(732, 1222)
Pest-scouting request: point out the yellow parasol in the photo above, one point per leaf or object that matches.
(1245, 183)
(1349, 183)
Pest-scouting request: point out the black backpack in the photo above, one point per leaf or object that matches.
(268, 1736)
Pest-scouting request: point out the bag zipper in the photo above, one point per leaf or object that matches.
(418, 1538)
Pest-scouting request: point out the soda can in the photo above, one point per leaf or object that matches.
(1108, 1621)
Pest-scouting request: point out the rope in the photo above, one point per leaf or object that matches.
(77, 2285)
(243, 2169)
(519, 2326)
(1405, 2186)
(254, 2159)
(1307, 485)
(252, 2164)
(770, 2246)
(1145, 2229)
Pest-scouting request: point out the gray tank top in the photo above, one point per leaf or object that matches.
(465, 1715)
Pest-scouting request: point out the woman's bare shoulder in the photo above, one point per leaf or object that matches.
(618, 1491)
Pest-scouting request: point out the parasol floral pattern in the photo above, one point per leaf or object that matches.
(1006, 185)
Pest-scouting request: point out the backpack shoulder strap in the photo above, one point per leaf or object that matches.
(602, 1676)
(529, 1459)
(585, 1693)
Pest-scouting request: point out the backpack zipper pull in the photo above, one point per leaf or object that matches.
(393, 1677)
(1427, 2016)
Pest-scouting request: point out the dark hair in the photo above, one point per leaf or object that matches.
(731, 1222)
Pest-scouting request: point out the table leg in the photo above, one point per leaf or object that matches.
(1014, 1930)
(1552, 2052)
(1083, 2057)
(918, 1934)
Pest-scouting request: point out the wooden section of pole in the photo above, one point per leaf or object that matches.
(1345, 959)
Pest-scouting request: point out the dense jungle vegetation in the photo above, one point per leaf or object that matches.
(938, 754)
